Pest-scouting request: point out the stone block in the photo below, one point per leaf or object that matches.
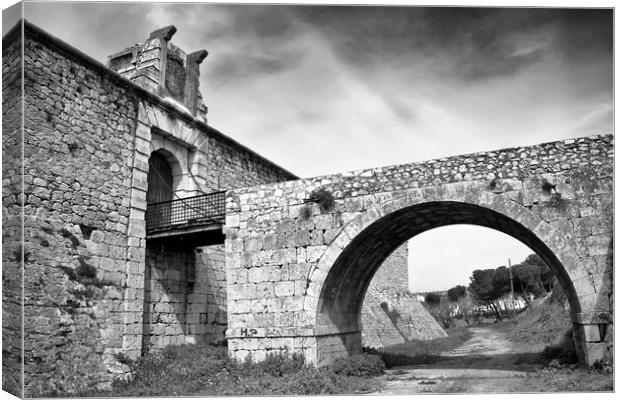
(596, 352)
(259, 274)
(265, 290)
(591, 333)
(232, 221)
(284, 288)
(314, 253)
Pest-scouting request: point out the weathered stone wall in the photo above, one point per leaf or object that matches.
(211, 285)
(185, 297)
(390, 314)
(557, 198)
(169, 273)
(78, 151)
(12, 181)
(88, 136)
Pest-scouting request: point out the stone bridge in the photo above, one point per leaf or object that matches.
(297, 272)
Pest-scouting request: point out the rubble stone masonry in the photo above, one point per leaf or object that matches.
(306, 270)
(12, 182)
(87, 137)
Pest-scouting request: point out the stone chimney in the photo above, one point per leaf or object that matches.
(164, 69)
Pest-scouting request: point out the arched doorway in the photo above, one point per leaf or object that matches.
(342, 290)
(159, 179)
(162, 180)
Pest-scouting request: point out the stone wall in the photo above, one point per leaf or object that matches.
(78, 152)
(184, 296)
(12, 181)
(88, 135)
(557, 198)
(390, 313)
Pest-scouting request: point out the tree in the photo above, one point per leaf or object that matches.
(488, 285)
(456, 293)
(432, 299)
(439, 308)
(533, 276)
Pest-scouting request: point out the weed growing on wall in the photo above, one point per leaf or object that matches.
(323, 198)
(305, 213)
(547, 187)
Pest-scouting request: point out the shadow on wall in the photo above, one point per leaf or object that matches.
(166, 290)
(184, 296)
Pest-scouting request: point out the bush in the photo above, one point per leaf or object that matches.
(204, 370)
(323, 198)
(281, 364)
(363, 365)
(432, 299)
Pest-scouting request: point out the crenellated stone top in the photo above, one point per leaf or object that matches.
(162, 68)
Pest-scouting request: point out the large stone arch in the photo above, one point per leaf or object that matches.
(289, 261)
(339, 280)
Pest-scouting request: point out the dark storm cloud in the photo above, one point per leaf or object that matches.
(244, 41)
(479, 43)
(388, 84)
(231, 67)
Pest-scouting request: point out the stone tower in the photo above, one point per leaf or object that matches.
(164, 69)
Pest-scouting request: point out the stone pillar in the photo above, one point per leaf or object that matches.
(592, 340)
(164, 35)
(136, 243)
(191, 81)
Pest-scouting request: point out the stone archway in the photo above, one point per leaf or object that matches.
(341, 277)
(296, 279)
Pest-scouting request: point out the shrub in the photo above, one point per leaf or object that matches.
(280, 364)
(305, 213)
(364, 365)
(86, 270)
(323, 198)
(547, 187)
(75, 242)
(432, 299)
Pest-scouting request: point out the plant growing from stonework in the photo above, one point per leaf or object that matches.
(556, 197)
(323, 198)
(547, 187)
(305, 213)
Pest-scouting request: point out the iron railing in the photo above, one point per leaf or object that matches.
(203, 209)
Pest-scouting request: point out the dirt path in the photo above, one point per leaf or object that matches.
(487, 362)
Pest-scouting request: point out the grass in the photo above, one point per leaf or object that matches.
(423, 351)
(204, 370)
(542, 325)
(570, 380)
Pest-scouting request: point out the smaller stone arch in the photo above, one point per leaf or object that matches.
(176, 168)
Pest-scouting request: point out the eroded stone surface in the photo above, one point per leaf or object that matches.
(88, 135)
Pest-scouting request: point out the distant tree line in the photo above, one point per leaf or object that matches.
(532, 277)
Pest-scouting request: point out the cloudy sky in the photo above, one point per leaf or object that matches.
(323, 89)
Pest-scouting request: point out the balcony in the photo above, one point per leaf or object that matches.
(191, 221)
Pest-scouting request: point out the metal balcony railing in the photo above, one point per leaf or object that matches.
(204, 209)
